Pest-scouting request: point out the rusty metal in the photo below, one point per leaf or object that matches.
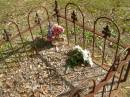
(94, 85)
(57, 12)
(110, 71)
(28, 19)
(103, 91)
(116, 64)
(124, 63)
(77, 23)
(128, 53)
(120, 76)
(92, 30)
(112, 85)
(127, 73)
(11, 46)
(2, 41)
(76, 92)
(38, 21)
(74, 22)
(101, 84)
(106, 33)
(6, 36)
(74, 19)
(111, 74)
(21, 38)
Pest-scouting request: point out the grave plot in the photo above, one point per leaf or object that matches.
(33, 62)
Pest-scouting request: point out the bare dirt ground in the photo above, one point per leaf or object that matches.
(44, 76)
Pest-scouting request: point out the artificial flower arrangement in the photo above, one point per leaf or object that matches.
(54, 33)
(78, 56)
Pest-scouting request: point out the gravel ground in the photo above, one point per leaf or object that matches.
(44, 76)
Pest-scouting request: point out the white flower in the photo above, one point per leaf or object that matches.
(86, 54)
(78, 48)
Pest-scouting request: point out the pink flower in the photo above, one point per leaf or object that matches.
(55, 31)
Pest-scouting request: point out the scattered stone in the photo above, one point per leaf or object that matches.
(1, 83)
(10, 83)
(37, 78)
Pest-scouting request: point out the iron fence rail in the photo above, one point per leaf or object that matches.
(118, 65)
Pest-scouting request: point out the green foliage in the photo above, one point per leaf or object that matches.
(75, 58)
(88, 36)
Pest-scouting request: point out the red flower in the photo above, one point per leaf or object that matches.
(56, 30)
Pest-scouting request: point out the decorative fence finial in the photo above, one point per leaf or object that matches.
(37, 19)
(106, 32)
(6, 35)
(73, 20)
(56, 11)
(74, 17)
